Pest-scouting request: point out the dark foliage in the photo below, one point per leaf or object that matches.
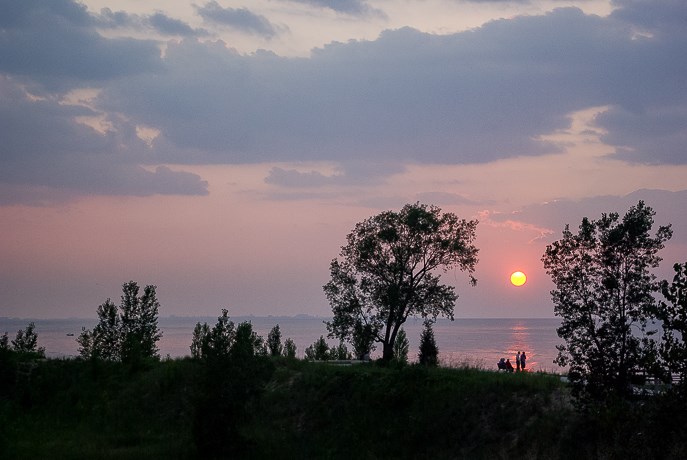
(26, 341)
(429, 352)
(673, 315)
(274, 344)
(605, 297)
(318, 351)
(128, 333)
(284, 408)
(229, 390)
(388, 271)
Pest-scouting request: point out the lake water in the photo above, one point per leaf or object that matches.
(477, 342)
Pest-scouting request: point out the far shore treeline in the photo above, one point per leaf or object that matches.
(240, 395)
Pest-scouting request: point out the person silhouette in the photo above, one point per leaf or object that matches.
(523, 360)
(517, 362)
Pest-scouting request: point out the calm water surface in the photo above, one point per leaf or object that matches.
(477, 342)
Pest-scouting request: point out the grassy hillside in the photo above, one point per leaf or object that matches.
(293, 409)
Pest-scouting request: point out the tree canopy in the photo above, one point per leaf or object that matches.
(604, 295)
(127, 333)
(390, 270)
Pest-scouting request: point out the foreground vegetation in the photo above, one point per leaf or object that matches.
(239, 396)
(265, 407)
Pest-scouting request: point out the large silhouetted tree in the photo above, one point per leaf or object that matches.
(389, 270)
(604, 295)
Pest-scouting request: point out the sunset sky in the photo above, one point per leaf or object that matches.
(223, 150)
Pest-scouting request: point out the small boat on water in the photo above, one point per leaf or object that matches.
(70, 334)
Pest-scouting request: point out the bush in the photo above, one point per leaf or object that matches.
(429, 352)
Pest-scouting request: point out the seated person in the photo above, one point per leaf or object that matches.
(509, 366)
(502, 364)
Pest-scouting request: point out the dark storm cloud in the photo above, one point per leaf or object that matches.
(240, 19)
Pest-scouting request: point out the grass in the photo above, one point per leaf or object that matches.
(294, 409)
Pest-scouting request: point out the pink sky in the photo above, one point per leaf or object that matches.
(226, 161)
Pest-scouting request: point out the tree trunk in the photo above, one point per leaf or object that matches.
(388, 352)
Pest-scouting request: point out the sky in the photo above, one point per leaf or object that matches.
(222, 150)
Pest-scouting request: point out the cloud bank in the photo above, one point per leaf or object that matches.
(407, 97)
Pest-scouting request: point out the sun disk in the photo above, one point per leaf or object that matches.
(518, 278)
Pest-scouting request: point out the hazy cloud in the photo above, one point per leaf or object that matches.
(159, 22)
(495, 1)
(296, 179)
(170, 26)
(240, 19)
(44, 147)
(348, 173)
(556, 214)
(351, 7)
(444, 198)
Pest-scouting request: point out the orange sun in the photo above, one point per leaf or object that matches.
(518, 278)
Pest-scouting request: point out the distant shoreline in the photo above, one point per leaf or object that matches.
(247, 317)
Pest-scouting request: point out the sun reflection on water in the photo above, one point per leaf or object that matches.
(520, 341)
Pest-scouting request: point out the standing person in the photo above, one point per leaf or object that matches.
(517, 362)
(523, 360)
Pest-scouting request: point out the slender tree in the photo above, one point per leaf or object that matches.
(219, 341)
(389, 270)
(290, 348)
(604, 295)
(401, 347)
(199, 340)
(138, 318)
(274, 342)
(105, 341)
(429, 352)
(129, 333)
